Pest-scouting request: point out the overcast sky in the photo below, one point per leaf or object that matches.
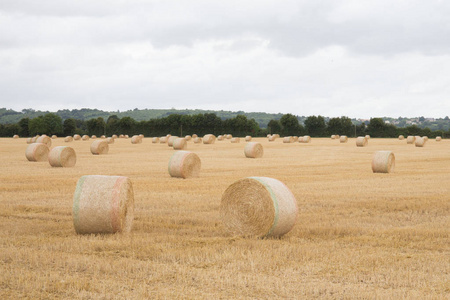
(355, 58)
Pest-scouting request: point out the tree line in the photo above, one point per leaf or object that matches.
(240, 125)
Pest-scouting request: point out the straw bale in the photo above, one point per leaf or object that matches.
(306, 139)
(110, 140)
(300, 139)
(155, 140)
(99, 147)
(220, 138)
(410, 139)
(248, 138)
(333, 137)
(170, 140)
(68, 139)
(277, 135)
(229, 136)
(188, 137)
(180, 144)
(235, 140)
(337, 136)
(103, 137)
(288, 139)
(367, 136)
(163, 140)
(93, 136)
(16, 136)
(34, 139)
(135, 139)
(295, 138)
(184, 164)
(85, 137)
(401, 137)
(44, 140)
(361, 141)
(343, 139)
(141, 135)
(114, 136)
(272, 138)
(127, 136)
(383, 162)
(121, 136)
(29, 140)
(438, 139)
(197, 140)
(62, 156)
(420, 142)
(425, 138)
(54, 137)
(258, 207)
(37, 152)
(209, 139)
(194, 136)
(269, 135)
(103, 204)
(253, 150)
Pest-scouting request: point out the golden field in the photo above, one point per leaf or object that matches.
(358, 235)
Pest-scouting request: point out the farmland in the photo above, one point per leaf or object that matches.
(358, 234)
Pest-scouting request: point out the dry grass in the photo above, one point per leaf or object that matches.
(358, 235)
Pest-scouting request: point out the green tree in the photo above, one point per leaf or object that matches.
(316, 126)
(341, 126)
(96, 126)
(53, 124)
(23, 125)
(289, 125)
(69, 126)
(37, 126)
(274, 126)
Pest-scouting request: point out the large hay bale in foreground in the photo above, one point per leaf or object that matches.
(253, 150)
(68, 139)
(184, 164)
(85, 137)
(209, 139)
(343, 139)
(37, 152)
(62, 156)
(235, 140)
(170, 140)
(383, 162)
(361, 141)
(420, 142)
(438, 139)
(103, 204)
(44, 140)
(258, 206)
(401, 137)
(155, 140)
(248, 138)
(180, 144)
(410, 139)
(135, 139)
(99, 147)
(288, 139)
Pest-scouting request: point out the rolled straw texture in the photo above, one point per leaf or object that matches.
(62, 156)
(248, 138)
(367, 136)
(103, 137)
(99, 147)
(209, 139)
(15, 136)
(184, 164)
(44, 140)
(228, 136)
(135, 139)
(258, 206)
(188, 137)
(93, 137)
(253, 150)
(383, 162)
(34, 139)
(110, 140)
(295, 139)
(306, 139)
(401, 137)
(343, 139)
(277, 135)
(361, 141)
(180, 144)
(54, 137)
(114, 136)
(29, 140)
(425, 138)
(420, 142)
(410, 139)
(77, 137)
(272, 138)
(121, 136)
(288, 139)
(197, 140)
(85, 137)
(163, 140)
(220, 137)
(155, 140)
(438, 139)
(194, 136)
(333, 137)
(127, 136)
(103, 204)
(37, 152)
(170, 140)
(235, 140)
(68, 139)
(300, 139)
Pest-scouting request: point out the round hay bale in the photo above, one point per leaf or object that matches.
(235, 140)
(68, 139)
(114, 136)
(34, 139)
(29, 140)
(141, 135)
(170, 140)
(306, 139)
(248, 138)
(44, 140)
(229, 136)
(410, 139)
(99, 147)
(194, 136)
(93, 136)
(272, 138)
(401, 137)
(269, 135)
(295, 139)
(121, 136)
(184, 164)
(209, 139)
(253, 150)
(220, 138)
(277, 135)
(383, 162)
(420, 142)
(367, 136)
(300, 139)
(37, 152)
(110, 140)
(135, 139)
(438, 139)
(188, 137)
(103, 204)
(179, 144)
(333, 137)
(361, 141)
(155, 140)
(258, 206)
(163, 140)
(16, 136)
(54, 137)
(62, 156)
(103, 137)
(343, 139)
(197, 140)
(288, 139)
(425, 138)
(127, 136)
(85, 137)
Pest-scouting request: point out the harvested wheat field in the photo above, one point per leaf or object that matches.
(358, 234)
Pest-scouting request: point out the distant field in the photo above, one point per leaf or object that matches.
(358, 235)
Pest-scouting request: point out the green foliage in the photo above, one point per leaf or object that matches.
(341, 126)
(290, 125)
(316, 126)
(69, 127)
(96, 126)
(23, 127)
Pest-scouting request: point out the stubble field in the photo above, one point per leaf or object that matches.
(358, 235)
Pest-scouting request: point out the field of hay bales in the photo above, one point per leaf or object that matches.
(359, 234)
